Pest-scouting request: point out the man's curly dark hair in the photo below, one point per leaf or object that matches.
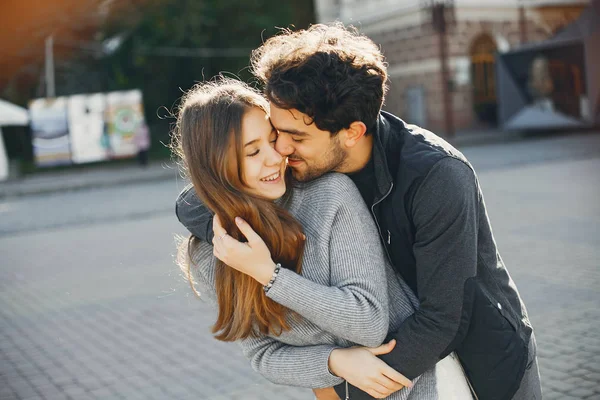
(330, 72)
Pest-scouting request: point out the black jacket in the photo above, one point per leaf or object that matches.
(433, 223)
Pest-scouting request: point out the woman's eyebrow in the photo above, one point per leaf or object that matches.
(251, 142)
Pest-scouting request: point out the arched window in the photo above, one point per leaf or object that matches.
(483, 72)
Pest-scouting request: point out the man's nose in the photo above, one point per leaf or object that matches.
(283, 145)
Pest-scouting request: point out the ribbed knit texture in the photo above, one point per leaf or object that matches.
(347, 295)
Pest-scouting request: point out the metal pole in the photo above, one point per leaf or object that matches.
(522, 23)
(440, 16)
(50, 88)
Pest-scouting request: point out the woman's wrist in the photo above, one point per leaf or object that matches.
(265, 273)
(333, 362)
(268, 286)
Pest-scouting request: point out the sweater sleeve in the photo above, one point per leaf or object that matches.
(444, 212)
(280, 363)
(194, 215)
(355, 305)
(283, 364)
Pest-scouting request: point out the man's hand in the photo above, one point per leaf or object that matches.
(252, 258)
(361, 368)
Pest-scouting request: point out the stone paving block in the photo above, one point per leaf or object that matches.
(6, 393)
(593, 376)
(553, 395)
(9, 373)
(569, 397)
(33, 396)
(581, 392)
(589, 384)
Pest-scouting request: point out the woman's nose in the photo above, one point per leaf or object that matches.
(274, 158)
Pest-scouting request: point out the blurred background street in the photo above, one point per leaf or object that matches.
(93, 306)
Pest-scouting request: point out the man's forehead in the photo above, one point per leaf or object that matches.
(285, 113)
(290, 120)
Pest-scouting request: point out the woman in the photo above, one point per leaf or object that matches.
(316, 288)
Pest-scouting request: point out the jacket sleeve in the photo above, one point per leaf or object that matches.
(355, 304)
(445, 216)
(194, 215)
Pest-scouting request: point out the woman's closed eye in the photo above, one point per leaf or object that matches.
(253, 153)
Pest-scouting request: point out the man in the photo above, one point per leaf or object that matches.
(326, 86)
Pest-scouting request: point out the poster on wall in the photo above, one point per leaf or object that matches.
(124, 117)
(86, 128)
(50, 131)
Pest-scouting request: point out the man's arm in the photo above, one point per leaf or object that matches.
(193, 214)
(445, 215)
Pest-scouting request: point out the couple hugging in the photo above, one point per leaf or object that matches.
(345, 250)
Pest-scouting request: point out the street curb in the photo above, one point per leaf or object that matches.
(24, 188)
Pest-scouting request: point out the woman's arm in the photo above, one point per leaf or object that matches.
(283, 364)
(278, 362)
(355, 304)
(305, 366)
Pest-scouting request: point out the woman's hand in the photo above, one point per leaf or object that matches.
(361, 368)
(252, 258)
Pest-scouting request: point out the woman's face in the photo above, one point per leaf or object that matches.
(263, 167)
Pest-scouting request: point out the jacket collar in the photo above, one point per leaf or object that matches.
(387, 142)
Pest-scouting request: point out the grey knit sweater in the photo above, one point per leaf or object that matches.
(348, 294)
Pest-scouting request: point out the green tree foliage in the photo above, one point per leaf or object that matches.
(146, 58)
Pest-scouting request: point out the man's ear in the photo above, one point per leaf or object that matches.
(354, 133)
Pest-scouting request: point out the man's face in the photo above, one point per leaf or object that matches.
(311, 152)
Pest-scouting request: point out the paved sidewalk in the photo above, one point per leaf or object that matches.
(93, 306)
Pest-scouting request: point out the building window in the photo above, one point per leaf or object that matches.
(414, 101)
(483, 77)
(483, 71)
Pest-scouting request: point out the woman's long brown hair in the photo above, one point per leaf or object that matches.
(208, 140)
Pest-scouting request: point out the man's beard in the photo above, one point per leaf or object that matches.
(334, 160)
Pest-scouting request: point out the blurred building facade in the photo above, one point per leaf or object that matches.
(479, 29)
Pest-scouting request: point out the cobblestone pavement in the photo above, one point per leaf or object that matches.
(92, 306)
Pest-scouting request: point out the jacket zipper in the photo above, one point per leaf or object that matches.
(347, 393)
(390, 260)
(377, 222)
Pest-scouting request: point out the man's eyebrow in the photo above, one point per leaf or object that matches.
(251, 142)
(293, 132)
